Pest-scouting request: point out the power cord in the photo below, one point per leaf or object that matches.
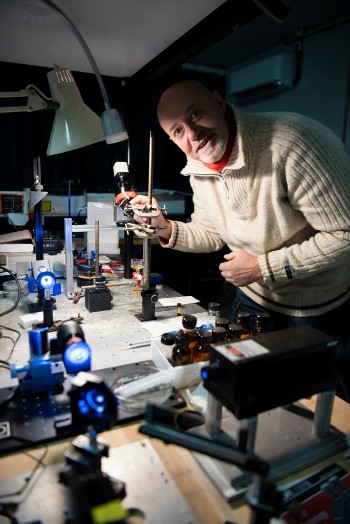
(14, 276)
(10, 338)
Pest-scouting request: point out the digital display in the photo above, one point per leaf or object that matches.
(11, 203)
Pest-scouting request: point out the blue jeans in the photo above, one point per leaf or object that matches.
(334, 323)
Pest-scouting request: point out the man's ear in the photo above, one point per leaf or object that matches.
(219, 100)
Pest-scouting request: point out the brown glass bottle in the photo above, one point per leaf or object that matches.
(181, 354)
(222, 322)
(189, 323)
(243, 319)
(219, 335)
(234, 332)
(202, 351)
(261, 323)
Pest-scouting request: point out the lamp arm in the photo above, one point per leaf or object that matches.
(86, 49)
(34, 102)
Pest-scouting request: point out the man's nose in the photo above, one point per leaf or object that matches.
(193, 131)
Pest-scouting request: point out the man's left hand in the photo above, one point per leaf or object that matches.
(241, 268)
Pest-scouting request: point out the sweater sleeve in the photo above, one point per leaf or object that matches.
(317, 173)
(200, 235)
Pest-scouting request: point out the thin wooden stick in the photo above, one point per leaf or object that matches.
(150, 167)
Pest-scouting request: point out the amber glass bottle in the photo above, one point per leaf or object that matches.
(219, 335)
(189, 323)
(202, 351)
(234, 332)
(261, 323)
(222, 322)
(243, 319)
(181, 354)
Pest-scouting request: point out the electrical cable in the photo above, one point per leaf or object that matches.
(6, 401)
(11, 329)
(14, 341)
(10, 338)
(28, 478)
(14, 276)
(8, 515)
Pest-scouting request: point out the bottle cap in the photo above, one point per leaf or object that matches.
(222, 322)
(205, 333)
(182, 340)
(235, 328)
(168, 339)
(262, 314)
(189, 321)
(214, 306)
(243, 314)
(219, 334)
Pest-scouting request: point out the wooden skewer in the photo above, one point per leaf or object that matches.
(150, 167)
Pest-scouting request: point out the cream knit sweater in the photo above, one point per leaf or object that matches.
(284, 196)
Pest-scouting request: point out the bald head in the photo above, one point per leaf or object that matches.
(194, 118)
(180, 90)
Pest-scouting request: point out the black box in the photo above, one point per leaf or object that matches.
(270, 370)
(98, 299)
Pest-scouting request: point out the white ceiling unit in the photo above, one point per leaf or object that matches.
(266, 77)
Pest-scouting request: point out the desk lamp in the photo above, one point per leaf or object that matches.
(112, 124)
(75, 125)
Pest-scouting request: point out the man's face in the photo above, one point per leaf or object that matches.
(195, 121)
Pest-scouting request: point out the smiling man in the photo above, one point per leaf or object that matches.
(275, 188)
(200, 128)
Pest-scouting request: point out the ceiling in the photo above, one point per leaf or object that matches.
(264, 32)
(125, 36)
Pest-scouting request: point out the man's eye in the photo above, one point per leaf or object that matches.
(195, 114)
(177, 131)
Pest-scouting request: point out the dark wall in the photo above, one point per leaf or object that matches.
(24, 136)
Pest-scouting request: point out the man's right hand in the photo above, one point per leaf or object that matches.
(165, 227)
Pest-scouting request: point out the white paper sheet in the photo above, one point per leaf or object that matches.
(157, 327)
(175, 300)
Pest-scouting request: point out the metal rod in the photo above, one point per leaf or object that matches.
(97, 248)
(213, 416)
(69, 257)
(147, 241)
(323, 413)
(38, 231)
(146, 261)
(38, 215)
(247, 434)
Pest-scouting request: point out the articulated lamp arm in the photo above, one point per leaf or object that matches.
(35, 100)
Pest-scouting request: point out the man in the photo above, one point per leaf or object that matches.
(273, 187)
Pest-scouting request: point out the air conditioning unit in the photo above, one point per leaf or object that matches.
(266, 77)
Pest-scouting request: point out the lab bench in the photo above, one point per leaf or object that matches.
(166, 482)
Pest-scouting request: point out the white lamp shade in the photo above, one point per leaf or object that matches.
(113, 127)
(75, 125)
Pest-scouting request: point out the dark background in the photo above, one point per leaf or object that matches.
(90, 169)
